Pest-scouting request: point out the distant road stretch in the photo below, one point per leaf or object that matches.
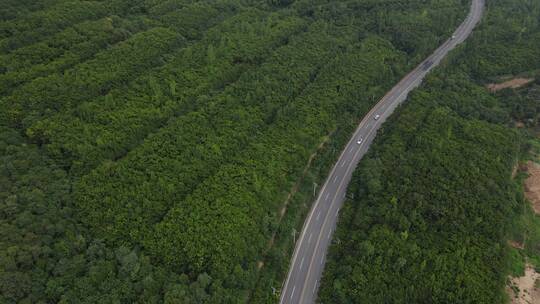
(309, 255)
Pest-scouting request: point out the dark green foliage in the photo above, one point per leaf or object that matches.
(243, 190)
(523, 103)
(108, 70)
(63, 50)
(434, 198)
(433, 205)
(517, 46)
(37, 25)
(12, 9)
(280, 2)
(89, 134)
(191, 20)
(203, 139)
(148, 146)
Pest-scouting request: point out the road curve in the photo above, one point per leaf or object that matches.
(309, 255)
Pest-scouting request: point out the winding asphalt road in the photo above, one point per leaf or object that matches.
(309, 255)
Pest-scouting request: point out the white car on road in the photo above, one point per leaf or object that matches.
(377, 117)
(360, 140)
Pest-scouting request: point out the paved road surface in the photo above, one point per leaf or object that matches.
(309, 256)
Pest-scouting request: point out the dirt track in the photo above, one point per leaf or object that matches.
(532, 186)
(513, 84)
(528, 293)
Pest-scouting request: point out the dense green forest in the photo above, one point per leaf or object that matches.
(432, 205)
(147, 146)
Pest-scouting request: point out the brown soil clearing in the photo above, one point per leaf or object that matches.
(532, 186)
(513, 84)
(516, 245)
(527, 292)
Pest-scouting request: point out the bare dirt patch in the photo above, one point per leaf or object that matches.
(524, 290)
(532, 185)
(513, 84)
(516, 245)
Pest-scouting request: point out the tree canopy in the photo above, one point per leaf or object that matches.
(148, 146)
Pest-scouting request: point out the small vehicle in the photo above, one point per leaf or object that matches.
(427, 64)
(360, 140)
(453, 37)
(377, 117)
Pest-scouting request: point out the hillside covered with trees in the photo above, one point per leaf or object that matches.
(147, 147)
(432, 205)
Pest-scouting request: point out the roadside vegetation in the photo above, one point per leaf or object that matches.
(147, 147)
(433, 205)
